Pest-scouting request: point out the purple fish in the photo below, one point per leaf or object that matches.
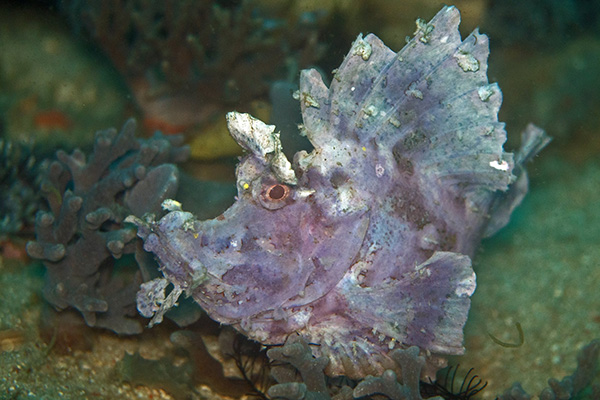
(362, 245)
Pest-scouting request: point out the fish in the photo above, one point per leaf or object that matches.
(364, 244)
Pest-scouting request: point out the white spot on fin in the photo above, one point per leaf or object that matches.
(413, 91)
(310, 101)
(394, 121)
(466, 61)
(501, 166)
(379, 170)
(370, 111)
(424, 29)
(485, 92)
(362, 48)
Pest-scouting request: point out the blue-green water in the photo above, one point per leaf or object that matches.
(543, 270)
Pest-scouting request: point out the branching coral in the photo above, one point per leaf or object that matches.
(295, 357)
(83, 233)
(411, 363)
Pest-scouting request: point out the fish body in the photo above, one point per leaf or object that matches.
(364, 244)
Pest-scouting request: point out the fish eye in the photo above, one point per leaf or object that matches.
(274, 196)
(277, 192)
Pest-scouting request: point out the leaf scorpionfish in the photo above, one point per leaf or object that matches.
(364, 244)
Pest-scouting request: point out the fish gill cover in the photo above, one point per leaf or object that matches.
(363, 245)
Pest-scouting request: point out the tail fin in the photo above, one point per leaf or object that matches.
(533, 140)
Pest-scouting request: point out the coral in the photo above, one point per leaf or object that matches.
(186, 60)
(19, 199)
(411, 364)
(295, 357)
(515, 392)
(583, 384)
(82, 235)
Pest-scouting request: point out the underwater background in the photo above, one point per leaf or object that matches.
(71, 68)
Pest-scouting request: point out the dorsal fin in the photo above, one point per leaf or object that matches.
(430, 104)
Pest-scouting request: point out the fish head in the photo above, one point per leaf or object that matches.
(283, 244)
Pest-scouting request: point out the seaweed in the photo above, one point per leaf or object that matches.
(250, 359)
(82, 236)
(470, 386)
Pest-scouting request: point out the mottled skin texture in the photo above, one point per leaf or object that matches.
(366, 246)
